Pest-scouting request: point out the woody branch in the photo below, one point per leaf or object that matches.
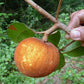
(57, 24)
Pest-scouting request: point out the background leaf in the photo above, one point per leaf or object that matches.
(19, 31)
(54, 38)
(61, 62)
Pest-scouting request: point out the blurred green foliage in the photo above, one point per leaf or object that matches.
(19, 11)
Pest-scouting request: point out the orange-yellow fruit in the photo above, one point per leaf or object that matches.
(35, 58)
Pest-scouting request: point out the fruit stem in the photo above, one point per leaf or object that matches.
(49, 31)
(45, 37)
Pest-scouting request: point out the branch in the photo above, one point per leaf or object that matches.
(41, 10)
(64, 27)
(47, 15)
(49, 31)
(56, 25)
(58, 9)
(53, 28)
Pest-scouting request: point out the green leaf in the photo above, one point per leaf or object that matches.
(61, 62)
(72, 46)
(76, 52)
(19, 31)
(75, 49)
(54, 38)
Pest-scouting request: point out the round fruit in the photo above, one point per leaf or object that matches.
(36, 58)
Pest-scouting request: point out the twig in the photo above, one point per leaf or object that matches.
(49, 31)
(44, 32)
(49, 16)
(64, 27)
(58, 9)
(53, 28)
(39, 32)
(66, 46)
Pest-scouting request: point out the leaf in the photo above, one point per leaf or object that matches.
(54, 38)
(19, 31)
(76, 52)
(72, 46)
(61, 62)
(75, 49)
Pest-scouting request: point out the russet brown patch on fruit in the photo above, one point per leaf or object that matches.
(35, 58)
(11, 27)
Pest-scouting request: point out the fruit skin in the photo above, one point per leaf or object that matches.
(35, 58)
